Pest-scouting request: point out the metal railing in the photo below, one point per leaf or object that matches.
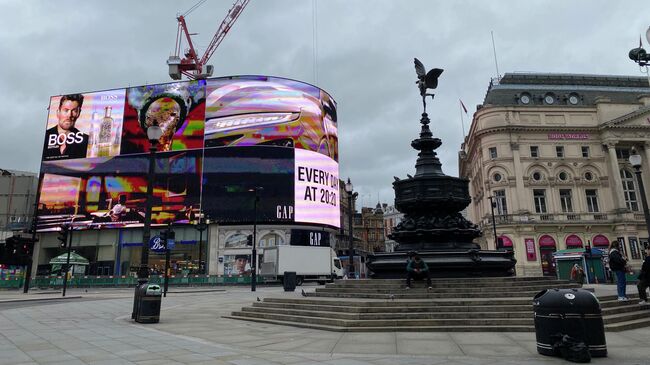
(85, 281)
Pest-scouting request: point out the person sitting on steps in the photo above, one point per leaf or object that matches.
(417, 269)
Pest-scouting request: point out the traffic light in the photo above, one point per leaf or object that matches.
(63, 237)
(249, 240)
(171, 240)
(26, 249)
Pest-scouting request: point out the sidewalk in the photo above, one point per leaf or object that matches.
(192, 331)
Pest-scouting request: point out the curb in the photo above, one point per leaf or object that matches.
(38, 299)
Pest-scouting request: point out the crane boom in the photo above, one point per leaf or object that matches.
(225, 26)
(191, 65)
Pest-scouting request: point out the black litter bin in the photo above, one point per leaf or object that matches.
(289, 281)
(148, 306)
(573, 312)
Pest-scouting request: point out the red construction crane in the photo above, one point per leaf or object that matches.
(191, 65)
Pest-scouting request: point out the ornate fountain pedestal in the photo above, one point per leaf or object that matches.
(432, 225)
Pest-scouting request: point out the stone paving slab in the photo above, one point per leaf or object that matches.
(192, 331)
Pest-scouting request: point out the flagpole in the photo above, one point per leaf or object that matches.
(462, 121)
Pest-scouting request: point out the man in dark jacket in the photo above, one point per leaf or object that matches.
(617, 263)
(417, 269)
(644, 278)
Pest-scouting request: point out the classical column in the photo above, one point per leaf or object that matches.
(616, 183)
(518, 204)
(646, 169)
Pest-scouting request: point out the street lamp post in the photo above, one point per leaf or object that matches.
(640, 56)
(254, 252)
(154, 132)
(635, 161)
(201, 226)
(493, 204)
(351, 196)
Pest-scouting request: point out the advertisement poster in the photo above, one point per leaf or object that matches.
(316, 188)
(531, 253)
(84, 125)
(237, 264)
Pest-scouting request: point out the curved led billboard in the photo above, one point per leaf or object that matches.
(222, 139)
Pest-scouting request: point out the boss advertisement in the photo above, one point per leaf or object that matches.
(237, 149)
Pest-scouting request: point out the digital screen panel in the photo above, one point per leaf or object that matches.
(84, 125)
(222, 140)
(177, 108)
(111, 192)
(232, 176)
(259, 110)
(316, 188)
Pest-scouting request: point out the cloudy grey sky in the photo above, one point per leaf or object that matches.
(364, 51)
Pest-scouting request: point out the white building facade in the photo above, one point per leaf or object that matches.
(551, 150)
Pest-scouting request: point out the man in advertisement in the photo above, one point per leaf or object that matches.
(64, 140)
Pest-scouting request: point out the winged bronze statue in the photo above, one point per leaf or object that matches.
(426, 80)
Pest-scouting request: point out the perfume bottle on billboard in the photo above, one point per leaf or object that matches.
(94, 131)
(104, 139)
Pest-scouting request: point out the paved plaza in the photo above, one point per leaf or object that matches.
(95, 327)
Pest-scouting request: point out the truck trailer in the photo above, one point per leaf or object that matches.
(310, 263)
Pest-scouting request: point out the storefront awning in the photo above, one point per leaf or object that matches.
(75, 259)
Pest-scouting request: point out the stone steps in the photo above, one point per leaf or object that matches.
(468, 290)
(420, 295)
(412, 309)
(401, 283)
(491, 328)
(397, 323)
(392, 315)
(382, 305)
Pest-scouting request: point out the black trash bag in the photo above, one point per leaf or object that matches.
(570, 348)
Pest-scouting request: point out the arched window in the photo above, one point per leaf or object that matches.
(629, 191)
(271, 240)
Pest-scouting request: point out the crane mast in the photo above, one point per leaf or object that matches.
(191, 64)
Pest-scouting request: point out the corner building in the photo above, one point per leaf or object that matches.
(552, 151)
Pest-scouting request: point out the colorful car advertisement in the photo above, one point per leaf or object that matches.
(237, 149)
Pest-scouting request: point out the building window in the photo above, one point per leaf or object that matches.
(563, 176)
(497, 177)
(585, 151)
(559, 151)
(592, 200)
(537, 176)
(634, 248)
(589, 176)
(565, 201)
(622, 153)
(629, 191)
(534, 151)
(493, 152)
(539, 196)
(500, 200)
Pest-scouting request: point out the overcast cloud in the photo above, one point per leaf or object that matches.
(364, 50)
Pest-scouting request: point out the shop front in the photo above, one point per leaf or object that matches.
(547, 247)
